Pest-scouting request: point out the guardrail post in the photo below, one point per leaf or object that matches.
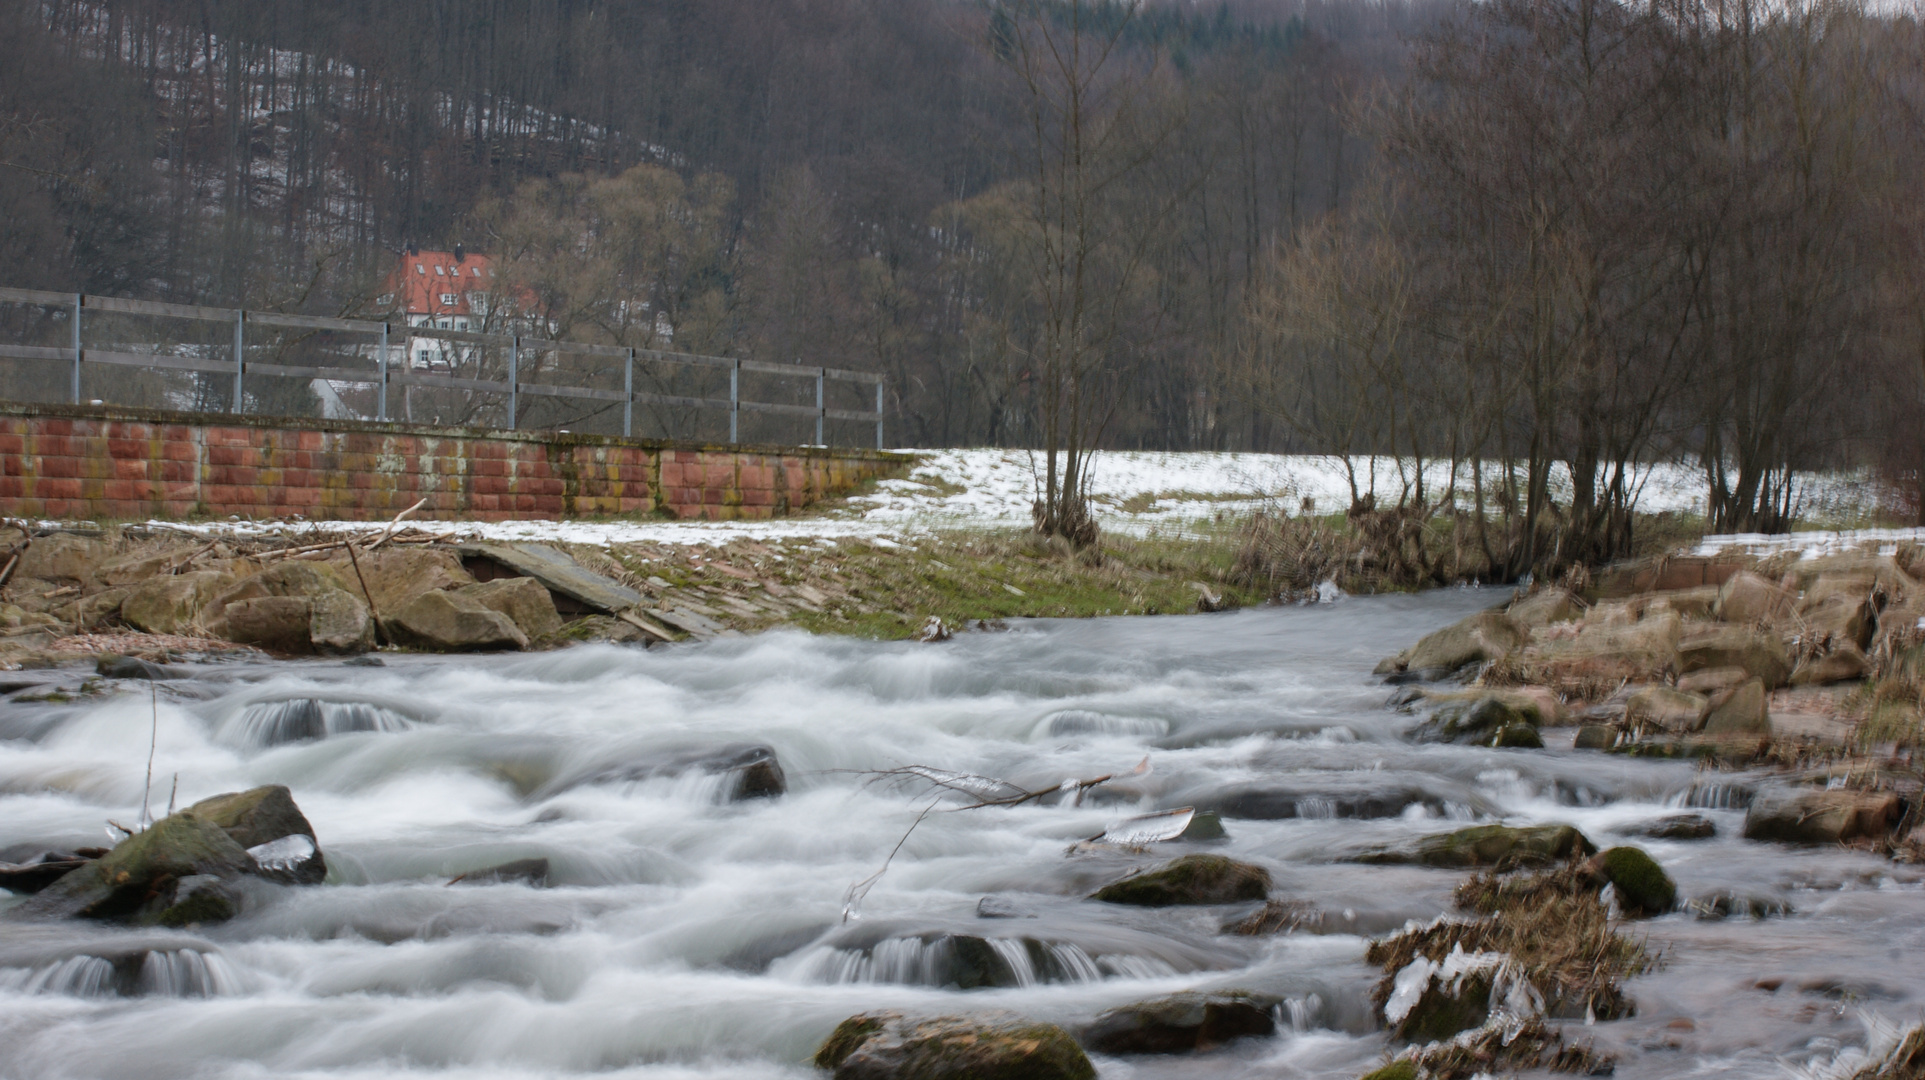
(735, 399)
(240, 353)
(628, 396)
(820, 374)
(381, 394)
(514, 377)
(878, 414)
(78, 301)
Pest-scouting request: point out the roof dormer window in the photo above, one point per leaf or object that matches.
(440, 271)
(419, 269)
(447, 299)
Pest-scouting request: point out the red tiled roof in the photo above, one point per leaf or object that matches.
(436, 283)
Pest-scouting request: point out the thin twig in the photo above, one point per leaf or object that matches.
(395, 522)
(153, 740)
(860, 890)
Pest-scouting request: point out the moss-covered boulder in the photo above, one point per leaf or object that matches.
(1181, 1024)
(454, 622)
(1401, 1069)
(1642, 886)
(1500, 846)
(1192, 879)
(171, 603)
(1487, 720)
(1665, 709)
(983, 1046)
(138, 880)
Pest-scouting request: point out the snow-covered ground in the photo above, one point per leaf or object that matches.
(1136, 493)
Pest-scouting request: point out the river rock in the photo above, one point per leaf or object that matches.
(1695, 603)
(1674, 711)
(530, 871)
(1542, 608)
(1487, 635)
(1711, 680)
(1504, 847)
(1763, 655)
(1181, 1024)
(982, 1046)
(1645, 651)
(1401, 1069)
(1596, 737)
(136, 567)
(133, 667)
(1488, 720)
(89, 612)
(39, 870)
(1642, 886)
(1843, 662)
(170, 604)
(276, 623)
(137, 881)
(1748, 598)
(395, 576)
(339, 624)
(1192, 879)
(1815, 816)
(753, 769)
(261, 816)
(1340, 795)
(1838, 620)
(524, 600)
(1741, 711)
(452, 622)
(1676, 827)
(62, 557)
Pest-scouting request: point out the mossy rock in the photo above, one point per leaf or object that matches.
(1504, 847)
(262, 815)
(1480, 721)
(1518, 736)
(984, 1046)
(135, 881)
(1192, 879)
(1397, 1070)
(1643, 887)
(1440, 1014)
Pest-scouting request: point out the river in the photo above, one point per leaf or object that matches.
(686, 935)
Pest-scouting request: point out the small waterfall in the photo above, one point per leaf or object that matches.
(1712, 795)
(80, 976)
(1303, 1012)
(274, 723)
(971, 963)
(188, 973)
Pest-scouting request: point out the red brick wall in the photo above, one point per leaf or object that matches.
(123, 464)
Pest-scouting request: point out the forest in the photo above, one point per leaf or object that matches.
(1540, 242)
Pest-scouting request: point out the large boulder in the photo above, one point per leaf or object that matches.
(1181, 1024)
(1814, 816)
(1740, 711)
(1838, 620)
(1748, 598)
(1643, 888)
(526, 602)
(172, 603)
(1504, 847)
(395, 576)
(1192, 879)
(984, 1046)
(1695, 603)
(261, 817)
(1882, 571)
(1487, 635)
(138, 880)
(452, 622)
(334, 622)
(1762, 655)
(1675, 711)
(62, 557)
(89, 612)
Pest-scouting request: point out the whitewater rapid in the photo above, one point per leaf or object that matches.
(689, 934)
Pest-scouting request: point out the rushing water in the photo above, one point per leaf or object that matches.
(686, 934)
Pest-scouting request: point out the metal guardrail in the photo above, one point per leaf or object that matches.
(385, 375)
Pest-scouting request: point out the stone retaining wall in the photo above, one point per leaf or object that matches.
(110, 464)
